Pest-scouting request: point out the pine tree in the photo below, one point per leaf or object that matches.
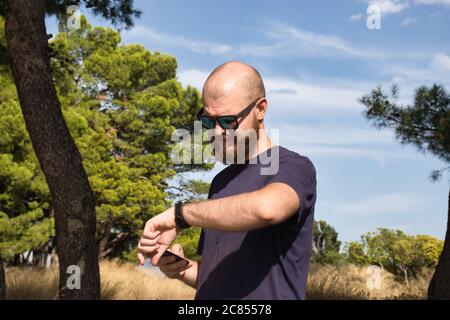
(426, 125)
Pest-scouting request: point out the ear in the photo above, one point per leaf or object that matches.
(261, 109)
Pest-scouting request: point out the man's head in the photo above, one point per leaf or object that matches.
(230, 88)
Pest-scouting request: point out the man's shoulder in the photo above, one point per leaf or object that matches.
(288, 156)
(225, 171)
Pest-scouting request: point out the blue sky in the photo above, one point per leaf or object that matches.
(317, 58)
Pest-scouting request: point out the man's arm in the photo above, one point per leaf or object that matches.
(269, 205)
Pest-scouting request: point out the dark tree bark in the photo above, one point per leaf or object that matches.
(59, 158)
(2, 281)
(440, 283)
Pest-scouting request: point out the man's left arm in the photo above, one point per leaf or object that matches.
(269, 205)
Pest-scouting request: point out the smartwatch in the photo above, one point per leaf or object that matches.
(179, 219)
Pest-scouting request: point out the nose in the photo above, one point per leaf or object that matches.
(218, 130)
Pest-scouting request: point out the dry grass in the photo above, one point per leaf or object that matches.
(31, 284)
(349, 282)
(126, 281)
(119, 281)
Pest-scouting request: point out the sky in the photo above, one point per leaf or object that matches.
(317, 58)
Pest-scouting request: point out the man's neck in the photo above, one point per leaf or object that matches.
(264, 143)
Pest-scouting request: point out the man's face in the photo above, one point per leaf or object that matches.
(238, 143)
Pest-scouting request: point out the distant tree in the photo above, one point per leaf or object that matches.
(426, 125)
(397, 252)
(325, 244)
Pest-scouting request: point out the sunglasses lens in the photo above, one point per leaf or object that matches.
(228, 122)
(207, 122)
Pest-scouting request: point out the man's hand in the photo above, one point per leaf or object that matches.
(159, 233)
(172, 269)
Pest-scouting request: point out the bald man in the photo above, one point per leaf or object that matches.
(256, 236)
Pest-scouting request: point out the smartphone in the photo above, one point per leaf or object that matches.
(168, 253)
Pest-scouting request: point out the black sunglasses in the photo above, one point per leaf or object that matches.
(228, 121)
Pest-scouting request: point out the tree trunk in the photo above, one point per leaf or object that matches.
(103, 244)
(440, 283)
(2, 280)
(405, 276)
(59, 158)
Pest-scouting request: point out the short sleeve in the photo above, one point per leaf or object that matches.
(200, 243)
(299, 173)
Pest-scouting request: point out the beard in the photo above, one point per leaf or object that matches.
(236, 147)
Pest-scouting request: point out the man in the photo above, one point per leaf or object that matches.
(256, 233)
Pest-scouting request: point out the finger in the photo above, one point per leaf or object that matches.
(150, 235)
(148, 250)
(155, 258)
(150, 242)
(141, 258)
(178, 249)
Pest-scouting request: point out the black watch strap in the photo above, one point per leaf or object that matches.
(179, 219)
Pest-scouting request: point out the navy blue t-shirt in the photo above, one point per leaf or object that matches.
(267, 263)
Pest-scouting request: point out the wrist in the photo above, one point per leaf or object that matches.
(180, 222)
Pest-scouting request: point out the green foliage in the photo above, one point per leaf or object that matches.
(326, 244)
(116, 11)
(188, 238)
(395, 251)
(425, 124)
(25, 219)
(121, 104)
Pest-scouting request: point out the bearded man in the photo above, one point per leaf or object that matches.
(256, 225)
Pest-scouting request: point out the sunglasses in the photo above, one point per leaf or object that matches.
(228, 121)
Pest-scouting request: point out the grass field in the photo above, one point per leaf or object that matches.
(127, 281)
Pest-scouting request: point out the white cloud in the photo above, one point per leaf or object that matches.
(279, 40)
(288, 40)
(193, 77)
(339, 135)
(410, 76)
(312, 97)
(441, 61)
(433, 2)
(198, 46)
(344, 141)
(397, 6)
(356, 17)
(283, 91)
(390, 6)
(383, 204)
